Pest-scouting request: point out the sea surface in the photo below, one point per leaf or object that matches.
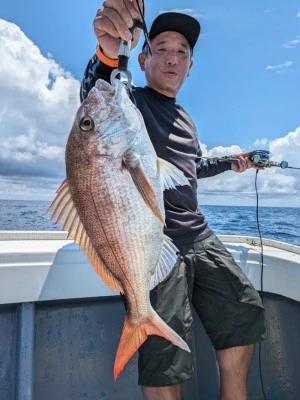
(278, 223)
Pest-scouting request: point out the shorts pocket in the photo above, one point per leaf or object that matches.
(232, 283)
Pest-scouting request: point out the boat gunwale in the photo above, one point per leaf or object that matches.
(62, 235)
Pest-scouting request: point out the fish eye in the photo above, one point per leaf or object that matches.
(86, 124)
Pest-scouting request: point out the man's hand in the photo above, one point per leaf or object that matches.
(243, 162)
(113, 21)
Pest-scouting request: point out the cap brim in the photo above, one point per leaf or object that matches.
(188, 26)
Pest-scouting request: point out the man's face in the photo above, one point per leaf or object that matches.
(169, 64)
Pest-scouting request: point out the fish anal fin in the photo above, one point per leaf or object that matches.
(133, 163)
(134, 335)
(166, 262)
(170, 175)
(64, 212)
(104, 273)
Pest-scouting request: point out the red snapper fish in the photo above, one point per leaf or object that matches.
(111, 204)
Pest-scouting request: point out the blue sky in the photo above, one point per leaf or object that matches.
(243, 91)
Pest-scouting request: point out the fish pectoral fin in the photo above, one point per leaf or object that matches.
(166, 262)
(170, 176)
(142, 183)
(134, 335)
(64, 212)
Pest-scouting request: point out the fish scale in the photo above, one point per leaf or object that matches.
(122, 227)
(126, 232)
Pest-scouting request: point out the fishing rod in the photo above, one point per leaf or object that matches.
(260, 158)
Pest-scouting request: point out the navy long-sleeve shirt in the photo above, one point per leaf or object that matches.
(175, 139)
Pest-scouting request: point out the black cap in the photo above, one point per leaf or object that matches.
(188, 26)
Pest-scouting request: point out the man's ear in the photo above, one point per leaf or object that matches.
(191, 64)
(141, 59)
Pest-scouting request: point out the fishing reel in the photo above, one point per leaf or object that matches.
(261, 158)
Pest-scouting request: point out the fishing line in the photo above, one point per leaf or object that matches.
(144, 26)
(261, 284)
(142, 12)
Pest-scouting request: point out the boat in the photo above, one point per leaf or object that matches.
(60, 324)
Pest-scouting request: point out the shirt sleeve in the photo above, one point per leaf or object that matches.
(94, 71)
(207, 168)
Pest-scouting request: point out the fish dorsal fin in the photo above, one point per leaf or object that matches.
(166, 262)
(170, 175)
(134, 165)
(64, 212)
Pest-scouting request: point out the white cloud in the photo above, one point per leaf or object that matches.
(37, 105)
(287, 148)
(280, 67)
(292, 43)
(273, 183)
(220, 151)
(298, 15)
(261, 143)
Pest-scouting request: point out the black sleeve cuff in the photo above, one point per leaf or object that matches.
(95, 70)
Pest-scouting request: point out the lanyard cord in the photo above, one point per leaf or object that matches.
(261, 284)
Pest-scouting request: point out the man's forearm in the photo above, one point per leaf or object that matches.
(94, 71)
(208, 169)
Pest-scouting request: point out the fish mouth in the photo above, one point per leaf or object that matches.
(115, 92)
(103, 85)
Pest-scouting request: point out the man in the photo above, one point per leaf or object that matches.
(205, 274)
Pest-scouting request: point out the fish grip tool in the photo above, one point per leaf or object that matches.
(124, 50)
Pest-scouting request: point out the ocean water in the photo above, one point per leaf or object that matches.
(278, 223)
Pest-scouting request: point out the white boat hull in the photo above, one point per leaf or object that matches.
(39, 266)
(60, 324)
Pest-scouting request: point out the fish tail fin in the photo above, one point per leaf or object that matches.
(133, 336)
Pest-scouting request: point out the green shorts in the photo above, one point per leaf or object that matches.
(230, 309)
